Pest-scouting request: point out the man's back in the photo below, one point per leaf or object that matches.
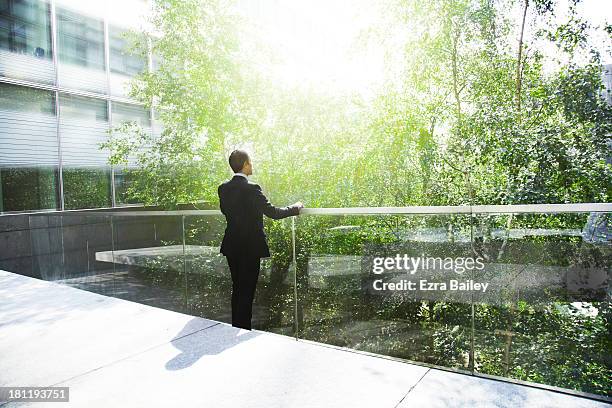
(244, 204)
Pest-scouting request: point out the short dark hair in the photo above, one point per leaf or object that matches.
(237, 159)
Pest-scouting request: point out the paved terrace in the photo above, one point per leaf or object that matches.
(116, 353)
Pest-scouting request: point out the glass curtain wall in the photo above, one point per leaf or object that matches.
(124, 177)
(81, 51)
(25, 40)
(53, 118)
(86, 174)
(28, 149)
(125, 62)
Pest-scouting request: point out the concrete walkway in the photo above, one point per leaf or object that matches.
(116, 353)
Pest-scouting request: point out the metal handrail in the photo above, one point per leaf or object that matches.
(419, 210)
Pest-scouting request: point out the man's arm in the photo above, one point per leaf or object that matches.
(263, 204)
(220, 201)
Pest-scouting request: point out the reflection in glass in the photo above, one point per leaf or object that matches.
(125, 62)
(124, 112)
(125, 177)
(25, 40)
(65, 248)
(548, 320)
(81, 51)
(86, 174)
(21, 99)
(29, 188)
(28, 151)
(124, 180)
(86, 187)
(337, 303)
(148, 260)
(209, 282)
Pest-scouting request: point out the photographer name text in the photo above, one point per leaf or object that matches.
(412, 265)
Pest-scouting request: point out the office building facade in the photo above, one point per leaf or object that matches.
(65, 67)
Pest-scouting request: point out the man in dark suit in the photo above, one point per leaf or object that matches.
(244, 243)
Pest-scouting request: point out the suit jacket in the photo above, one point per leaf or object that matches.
(243, 204)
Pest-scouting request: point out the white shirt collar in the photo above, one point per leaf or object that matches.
(241, 174)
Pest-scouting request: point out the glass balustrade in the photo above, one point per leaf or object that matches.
(546, 318)
(66, 248)
(209, 282)
(149, 258)
(362, 283)
(523, 295)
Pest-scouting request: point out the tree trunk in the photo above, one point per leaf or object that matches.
(519, 59)
(456, 76)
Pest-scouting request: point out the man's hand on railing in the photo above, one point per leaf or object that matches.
(299, 205)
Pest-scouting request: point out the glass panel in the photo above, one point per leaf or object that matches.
(15, 249)
(29, 188)
(125, 63)
(86, 174)
(68, 249)
(149, 262)
(354, 292)
(47, 247)
(124, 177)
(546, 317)
(25, 40)
(89, 8)
(86, 187)
(124, 112)
(81, 51)
(124, 180)
(22, 99)
(83, 126)
(28, 149)
(209, 281)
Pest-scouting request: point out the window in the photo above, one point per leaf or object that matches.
(82, 108)
(86, 173)
(28, 149)
(81, 52)
(123, 60)
(123, 112)
(124, 178)
(80, 40)
(25, 28)
(25, 41)
(22, 99)
(86, 187)
(125, 63)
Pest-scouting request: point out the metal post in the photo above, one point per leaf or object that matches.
(472, 317)
(295, 298)
(63, 247)
(187, 304)
(109, 112)
(1, 198)
(150, 68)
(112, 225)
(57, 104)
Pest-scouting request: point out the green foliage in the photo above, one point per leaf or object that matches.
(469, 120)
(448, 132)
(195, 90)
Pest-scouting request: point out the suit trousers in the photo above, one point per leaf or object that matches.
(245, 272)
